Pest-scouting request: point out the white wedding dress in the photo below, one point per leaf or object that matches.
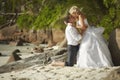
(93, 51)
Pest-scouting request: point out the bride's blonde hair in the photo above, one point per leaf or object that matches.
(75, 9)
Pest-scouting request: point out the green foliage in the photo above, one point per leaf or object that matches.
(47, 12)
(26, 21)
(47, 16)
(111, 20)
(50, 13)
(31, 9)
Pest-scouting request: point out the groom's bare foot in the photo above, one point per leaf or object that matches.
(57, 63)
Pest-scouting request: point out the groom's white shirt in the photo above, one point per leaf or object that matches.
(72, 35)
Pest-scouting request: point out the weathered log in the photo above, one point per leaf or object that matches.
(62, 57)
(41, 59)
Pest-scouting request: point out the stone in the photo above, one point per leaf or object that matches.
(38, 49)
(114, 46)
(14, 56)
(19, 42)
(0, 54)
(32, 36)
(13, 33)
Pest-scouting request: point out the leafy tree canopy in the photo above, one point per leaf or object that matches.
(38, 14)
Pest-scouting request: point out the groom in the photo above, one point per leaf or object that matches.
(73, 40)
(73, 37)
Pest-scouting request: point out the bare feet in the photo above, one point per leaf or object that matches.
(57, 63)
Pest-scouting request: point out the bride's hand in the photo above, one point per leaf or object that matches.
(80, 18)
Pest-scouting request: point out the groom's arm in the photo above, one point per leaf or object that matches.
(75, 34)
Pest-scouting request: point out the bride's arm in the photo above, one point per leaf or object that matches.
(81, 24)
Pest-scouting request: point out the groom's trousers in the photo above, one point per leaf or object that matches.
(72, 54)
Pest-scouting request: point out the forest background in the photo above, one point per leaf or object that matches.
(50, 14)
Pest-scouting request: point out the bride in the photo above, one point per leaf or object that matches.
(93, 51)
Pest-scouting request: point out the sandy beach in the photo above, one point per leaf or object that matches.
(48, 72)
(37, 72)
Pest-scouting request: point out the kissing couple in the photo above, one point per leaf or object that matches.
(86, 45)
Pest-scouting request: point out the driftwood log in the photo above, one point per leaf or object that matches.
(41, 59)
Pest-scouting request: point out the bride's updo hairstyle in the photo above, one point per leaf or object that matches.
(74, 10)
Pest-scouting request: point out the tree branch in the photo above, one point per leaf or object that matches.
(12, 13)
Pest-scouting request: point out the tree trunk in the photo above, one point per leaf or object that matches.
(63, 43)
(50, 37)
